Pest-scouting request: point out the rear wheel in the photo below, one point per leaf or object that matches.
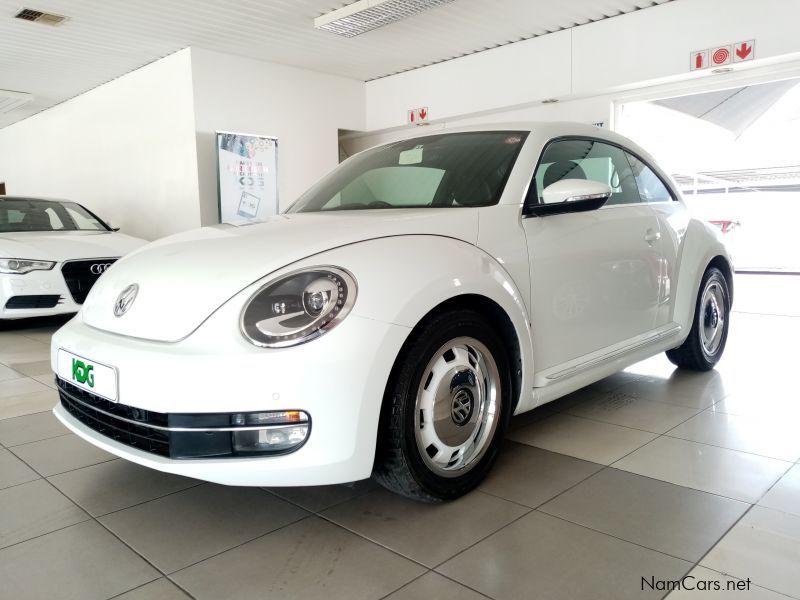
(446, 409)
(706, 342)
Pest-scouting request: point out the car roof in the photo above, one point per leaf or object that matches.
(37, 198)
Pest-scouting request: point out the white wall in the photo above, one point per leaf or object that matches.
(302, 108)
(644, 48)
(125, 149)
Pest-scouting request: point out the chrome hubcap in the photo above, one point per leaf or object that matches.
(457, 406)
(712, 324)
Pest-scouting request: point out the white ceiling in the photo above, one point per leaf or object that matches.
(108, 38)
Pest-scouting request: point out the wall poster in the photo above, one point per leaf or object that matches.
(247, 177)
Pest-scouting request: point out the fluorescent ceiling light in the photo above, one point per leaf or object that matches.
(10, 100)
(366, 15)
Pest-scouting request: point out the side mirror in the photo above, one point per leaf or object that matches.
(111, 226)
(571, 195)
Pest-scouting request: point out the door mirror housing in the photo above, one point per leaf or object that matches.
(571, 195)
(111, 226)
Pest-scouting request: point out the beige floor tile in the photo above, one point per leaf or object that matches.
(47, 380)
(20, 386)
(664, 390)
(61, 454)
(619, 408)
(545, 557)
(13, 471)
(311, 559)
(597, 442)
(768, 435)
(728, 473)
(33, 509)
(31, 369)
(7, 373)
(420, 531)
(319, 497)
(27, 404)
(117, 484)
(178, 530)
(82, 562)
(160, 589)
(531, 476)
(435, 587)
(782, 402)
(30, 428)
(672, 519)
(785, 495)
(705, 583)
(765, 547)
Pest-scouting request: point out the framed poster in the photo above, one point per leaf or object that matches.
(247, 177)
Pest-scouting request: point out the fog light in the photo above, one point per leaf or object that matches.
(283, 431)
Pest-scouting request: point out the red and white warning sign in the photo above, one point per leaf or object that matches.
(418, 116)
(744, 51)
(699, 60)
(719, 56)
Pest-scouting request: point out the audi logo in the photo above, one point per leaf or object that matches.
(99, 268)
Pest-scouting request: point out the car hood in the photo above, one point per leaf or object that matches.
(59, 246)
(184, 278)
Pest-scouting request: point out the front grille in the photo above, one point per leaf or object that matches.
(81, 275)
(33, 301)
(174, 435)
(113, 420)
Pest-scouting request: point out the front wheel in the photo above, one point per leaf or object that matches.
(706, 342)
(446, 409)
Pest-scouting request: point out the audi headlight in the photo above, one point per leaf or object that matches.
(298, 307)
(19, 266)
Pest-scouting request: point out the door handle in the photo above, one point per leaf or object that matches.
(652, 236)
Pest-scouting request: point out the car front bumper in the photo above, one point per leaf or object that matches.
(338, 379)
(36, 284)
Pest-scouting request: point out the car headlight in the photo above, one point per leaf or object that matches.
(19, 266)
(298, 307)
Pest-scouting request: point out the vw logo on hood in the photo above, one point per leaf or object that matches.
(125, 299)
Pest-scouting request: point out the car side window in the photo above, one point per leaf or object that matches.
(651, 188)
(588, 159)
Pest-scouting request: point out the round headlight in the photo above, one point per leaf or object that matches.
(298, 307)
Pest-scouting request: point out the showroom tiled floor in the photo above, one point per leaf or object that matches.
(650, 473)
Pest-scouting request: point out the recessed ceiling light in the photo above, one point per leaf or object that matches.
(366, 15)
(43, 18)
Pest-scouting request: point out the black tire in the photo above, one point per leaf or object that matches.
(693, 354)
(399, 464)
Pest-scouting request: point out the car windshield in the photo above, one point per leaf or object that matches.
(29, 214)
(438, 171)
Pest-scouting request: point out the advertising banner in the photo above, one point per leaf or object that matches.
(247, 177)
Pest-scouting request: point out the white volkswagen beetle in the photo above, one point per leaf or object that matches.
(51, 253)
(397, 315)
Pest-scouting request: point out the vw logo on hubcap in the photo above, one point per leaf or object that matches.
(461, 408)
(125, 299)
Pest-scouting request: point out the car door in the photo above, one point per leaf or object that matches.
(594, 274)
(673, 219)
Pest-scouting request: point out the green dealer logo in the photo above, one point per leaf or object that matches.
(82, 373)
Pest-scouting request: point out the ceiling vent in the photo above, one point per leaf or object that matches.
(366, 15)
(37, 16)
(10, 100)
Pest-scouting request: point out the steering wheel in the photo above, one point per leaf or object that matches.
(379, 204)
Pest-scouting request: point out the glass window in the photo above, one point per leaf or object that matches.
(31, 214)
(437, 171)
(651, 188)
(588, 159)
